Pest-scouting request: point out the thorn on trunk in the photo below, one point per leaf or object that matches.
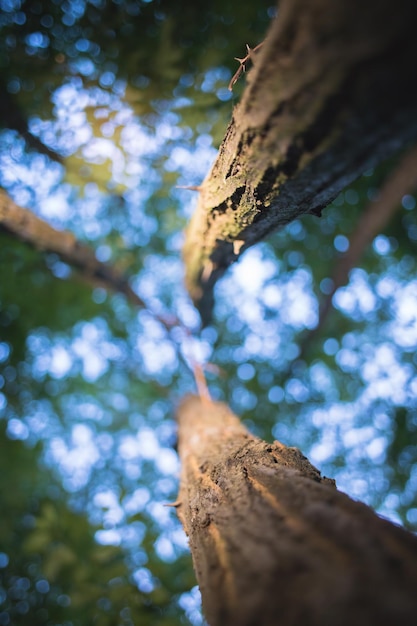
(191, 187)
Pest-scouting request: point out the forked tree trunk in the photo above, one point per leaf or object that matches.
(274, 543)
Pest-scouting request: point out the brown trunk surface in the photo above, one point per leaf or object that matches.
(275, 543)
(332, 92)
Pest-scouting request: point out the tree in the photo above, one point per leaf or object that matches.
(107, 107)
(317, 113)
(274, 542)
(314, 116)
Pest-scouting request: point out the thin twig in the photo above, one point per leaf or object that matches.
(201, 383)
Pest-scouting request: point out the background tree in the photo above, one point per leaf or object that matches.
(107, 107)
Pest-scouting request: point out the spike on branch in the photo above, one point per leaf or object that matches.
(191, 187)
(242, 64)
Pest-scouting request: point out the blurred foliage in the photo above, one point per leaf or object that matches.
(106, 107)
(52, 570)
(19, 315)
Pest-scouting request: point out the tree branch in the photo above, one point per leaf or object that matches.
(375, 217)
(332, 93)
(11, 116)
(33, 230)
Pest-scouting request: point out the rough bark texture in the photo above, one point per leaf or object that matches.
(273, 542)
(332, 92)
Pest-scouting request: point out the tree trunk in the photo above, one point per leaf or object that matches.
(273, 542)
(332, 93)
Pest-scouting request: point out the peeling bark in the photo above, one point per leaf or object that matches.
(273, 542)
(332, 93)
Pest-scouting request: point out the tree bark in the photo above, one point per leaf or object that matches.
(273, 542)
(332, 93)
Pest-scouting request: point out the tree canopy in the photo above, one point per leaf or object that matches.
(108, 109)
